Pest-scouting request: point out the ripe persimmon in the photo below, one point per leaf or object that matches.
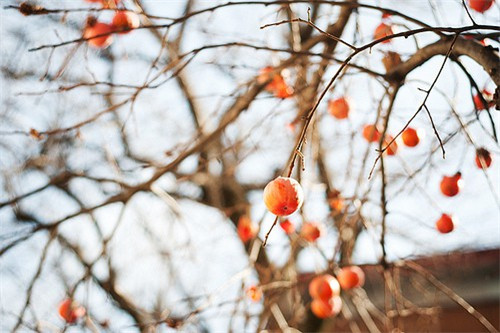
(246, 229)
(70, 311)
(371, 133)
(324, 309)
(393, 148)
(484, 156)
(283, 196)
(125, 20)
(94, 29)
(311, 231)
(445, 224)
(479, 104)
(324, 287)
(277, 86)
(351, 277)
(480, 5)
(339, 108)
(287, 226)
(450, 185)
(410, 137)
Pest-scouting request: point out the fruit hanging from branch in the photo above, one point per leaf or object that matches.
(339, 108)
(324, 287)
(451, 185)
(410, 137)
(480, 6)
(278, 86)
(351, 277)
(445, 224)
(95, 28)
(483, 158)
(371, 133)
(311, 231)
(393, 147)
(283, 196)
(246, 229)
(487, 96)
(70, 310)
(287, 226)
(324, 309)
(124, 21)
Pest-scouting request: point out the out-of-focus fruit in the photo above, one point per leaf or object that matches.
(451, 185)
(445, 224)
(351, 277)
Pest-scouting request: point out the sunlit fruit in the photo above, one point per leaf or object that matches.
(324, 287)
(287, 226)
(277, 86)
(393, 148)
(339, 108)
(324, 309)
(371, 133)
(246, 229)
(445, 224)
(283, 196)
(281, 89)
(450, 185)
(70, 311)
(351, 277)
(125, 20)
(484, 156)
(480, 5)
(391, 60)
(488, 97)
(410, 137)
(95, 28)
(383, 30)
(311, 231)
(254, 293)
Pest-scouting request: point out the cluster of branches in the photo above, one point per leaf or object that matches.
(312, 53)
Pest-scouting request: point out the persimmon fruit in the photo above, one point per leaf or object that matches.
(324, 309)
(450, 185)
(484, 156)
(287, 226)
(351, 277)
(479, 104)
(124, 21)
(95, 28)
(324, 287)
(70, 311)
(393, 148)
(410, 137)
(371, 133)
(480, 6)
(246, 229)
(445, 224)
(339, 108)
(283, 196)
(311, 231)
